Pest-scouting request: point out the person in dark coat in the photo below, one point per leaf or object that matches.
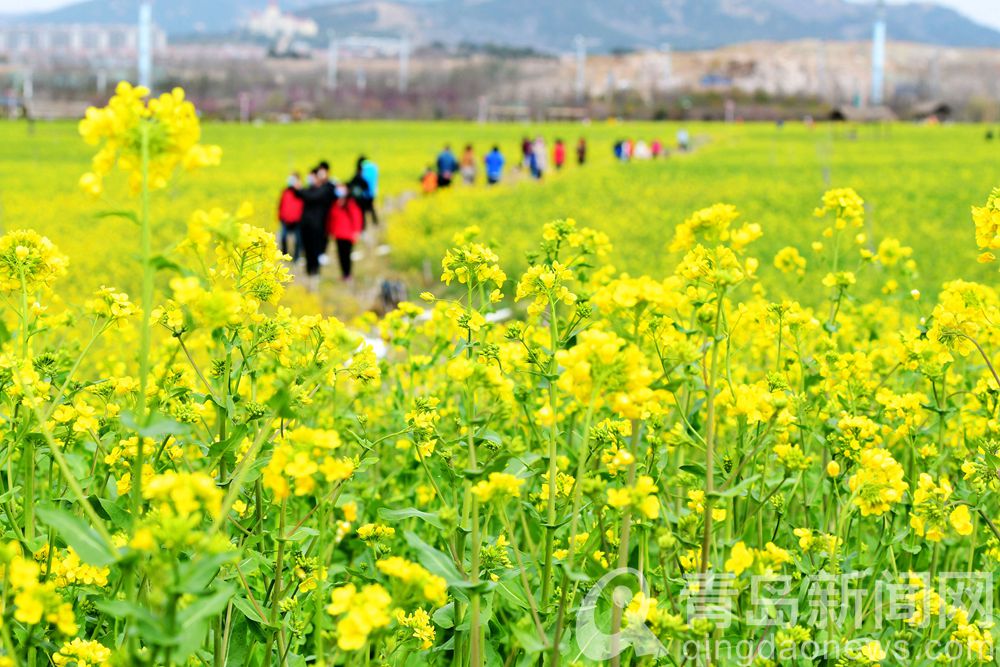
(317, 200)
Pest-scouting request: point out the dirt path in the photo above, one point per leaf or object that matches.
(372, 266)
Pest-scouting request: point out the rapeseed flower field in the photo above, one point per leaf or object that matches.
(664, 466)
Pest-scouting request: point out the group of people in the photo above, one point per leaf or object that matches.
(311, 213)
(535, 156)
(627, 149)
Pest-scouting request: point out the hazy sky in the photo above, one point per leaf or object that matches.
(985, 11)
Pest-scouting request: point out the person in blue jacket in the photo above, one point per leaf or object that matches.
(364, 189)
(494, 162)
(447, 167)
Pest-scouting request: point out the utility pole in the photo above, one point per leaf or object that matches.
(332, 56)
(581, 67)
(146, 44)
(878, 56)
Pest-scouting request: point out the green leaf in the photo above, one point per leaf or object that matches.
(199, 573)
(223, 447)
(205, 607)
(110, 510)
(281, 402)
(409, 513)
(434, 560)
(161, 262)
(573, 575)
(735, 490)
(302, 533)
(239, 641)
(484, 586)
(485, 614)
(250, 611)
(445, 616)
(527, 637)
(510, 590)
(121, 213)
(85, 540)
(158, 429)
(695, 469)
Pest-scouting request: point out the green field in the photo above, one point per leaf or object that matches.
(208, 471)
(918, 183)
(39, 174)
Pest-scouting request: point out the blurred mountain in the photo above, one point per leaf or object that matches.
(176, 17)
(550, 25)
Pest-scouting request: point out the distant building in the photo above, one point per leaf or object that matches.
(283, 30)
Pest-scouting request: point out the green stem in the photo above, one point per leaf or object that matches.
(29, 445)
(706, 540)
(145, 331)
(550, 515)
(475, 646)
(623, 546)
(581, 470)
(523, 575)
(276, 588)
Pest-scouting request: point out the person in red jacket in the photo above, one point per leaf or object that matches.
(559, 154)
(290, 215)
(345, 224)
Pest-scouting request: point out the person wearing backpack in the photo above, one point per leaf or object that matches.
(364, 188)
(290, 215)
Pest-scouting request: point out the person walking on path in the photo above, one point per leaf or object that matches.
(559, 154)
(494, 163)
(290, 215)
(346, 222)
(526, 148)
(537, 159)
(364, 188)
(469, 165)
(447, 165)
(683, 140)
(429, 181)
(317, 200)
